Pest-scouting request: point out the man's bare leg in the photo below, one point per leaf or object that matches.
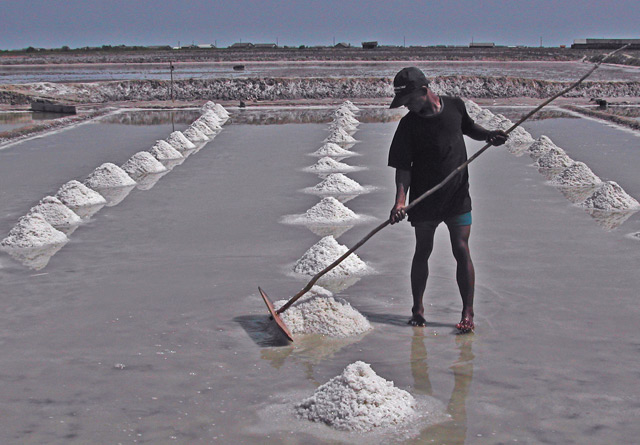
(465, 274)
(420, 273)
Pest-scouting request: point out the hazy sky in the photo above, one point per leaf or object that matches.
(54, 23)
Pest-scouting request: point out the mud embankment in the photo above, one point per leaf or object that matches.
(272, 89)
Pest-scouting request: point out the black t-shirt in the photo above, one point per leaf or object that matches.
(431, 148)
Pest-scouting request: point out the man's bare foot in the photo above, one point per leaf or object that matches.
(418, 320)
(466, 325)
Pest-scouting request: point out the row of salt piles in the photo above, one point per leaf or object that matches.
(358, 399)
(605, 200)
(46, 227)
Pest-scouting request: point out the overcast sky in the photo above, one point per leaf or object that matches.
(76, 23)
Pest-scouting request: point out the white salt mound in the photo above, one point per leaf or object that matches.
(576, 175)
(611, 197)
(484, 116)
(324, 315)
(340, 136)
(329, 210)
(332, 149)
(349, 105)
(164, 151)
(499, 122)
(141, 164)
(180, 142)
(221, 111)
(541, 147)
(518, 138)
(358, 400)
(473, 109)
(338, 183)
(325, 252)
(202, 127)
(55, 212)
(212, 120)
(342, 125)
(33, 230)
(346, 116)
(330, 165)
(555, 158)
(75, 194)
(195, 135)
(108, 175)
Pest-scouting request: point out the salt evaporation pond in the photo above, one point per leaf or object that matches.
(148, 326)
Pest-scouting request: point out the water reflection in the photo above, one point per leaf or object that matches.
(453, 431)
(114, 195)
(610, 220)
(263, 116)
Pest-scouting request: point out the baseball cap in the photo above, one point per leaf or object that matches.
(406, 82)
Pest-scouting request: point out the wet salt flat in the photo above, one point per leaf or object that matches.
(148, 327)
(562, 71)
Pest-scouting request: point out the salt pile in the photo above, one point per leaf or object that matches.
(554, 158)
(484, 116)
(55, 212)
(221, 111)
(324, 315)
(202, 127)
(473, 109)
(540, 147)
(194, 135)
(349, 105)
(163, 151)
(332, 149)
(337, 183)
(211, 120)
(339, 124)
(611, 197)
(358, 400)
(180, 142)
(345, 116)
(109, 175)
(519, 140)
(142, 164)
(31, 231)
(328, 211)
(340, 136)
(74, 194)
(330, 165)
(576, 175)
(499, 122)
(325, 252)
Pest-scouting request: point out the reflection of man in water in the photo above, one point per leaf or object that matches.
(427, 146)
(453, 431)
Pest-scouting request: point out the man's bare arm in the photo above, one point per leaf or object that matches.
(403, 181)
(494, 137)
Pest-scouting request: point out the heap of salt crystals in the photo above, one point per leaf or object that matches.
(180, 142)
(541, 147)
(499, 122)
(555, 158)
(345, 116)
(325, 252)
(610, 197)
(332, 149)
(337, 183)
(75, 195)
(142, 164)
(340, 123)
(319, 312)
(330, 165)
(163, 151)
(484, 116)
(216, 108)
(473, 109)
(340, 136)
(202, 127)
(56, 213)
(329, 211)
(108, 175)
(577, 174)
(33, 231)
(350, 106)
(519, 140)
(358, 400)
(212, 120)
(194, 135)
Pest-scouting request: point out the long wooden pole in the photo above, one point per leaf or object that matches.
(437, 187)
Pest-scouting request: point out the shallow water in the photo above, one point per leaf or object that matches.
(147, 326)
(563, 71)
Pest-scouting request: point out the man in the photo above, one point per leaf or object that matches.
(427, 146)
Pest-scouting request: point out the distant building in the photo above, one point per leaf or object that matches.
(265, 45)
(482, 45)
(605, 43)
(369, 45)
(205, 46)
(242, 45)
(342, 45)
